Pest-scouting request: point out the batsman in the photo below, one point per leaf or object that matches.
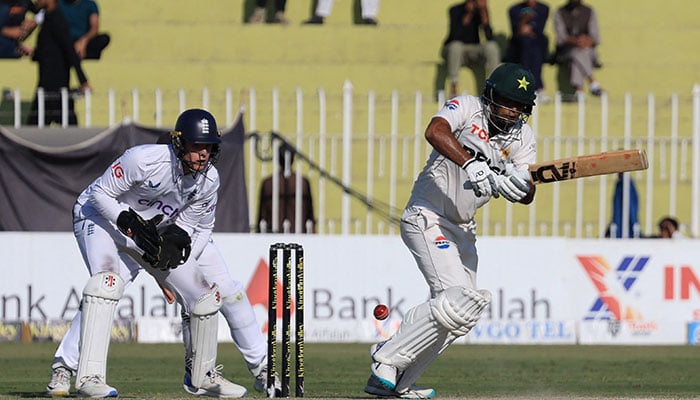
(144, 213)
(482, 147)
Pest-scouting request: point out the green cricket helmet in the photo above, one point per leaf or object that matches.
(508, 99)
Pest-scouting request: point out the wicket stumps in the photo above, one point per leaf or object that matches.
(292, 258)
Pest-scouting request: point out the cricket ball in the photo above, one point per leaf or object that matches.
(381, 312)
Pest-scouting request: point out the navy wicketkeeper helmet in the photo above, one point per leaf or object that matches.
(196, 126)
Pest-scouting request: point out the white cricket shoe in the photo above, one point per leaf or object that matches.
(94, 386)
(60, 382)
(375, 387)
(260, 373)
(214, 385)
(386, 375)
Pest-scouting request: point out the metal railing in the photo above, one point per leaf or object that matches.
(361, 177)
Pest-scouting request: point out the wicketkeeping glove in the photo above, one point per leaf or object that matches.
(143, 233)
(482, 178)
(516, 186)
(175, 249)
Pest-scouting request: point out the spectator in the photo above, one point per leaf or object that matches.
(616, 229)
(14, 28)
(576, 29)
(528, 43)
(463, 47)
(287, 198)
(83, 18)
(258, 15)
(668, 228)
(55, 55)
(370, 8)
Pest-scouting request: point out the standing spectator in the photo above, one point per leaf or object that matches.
(370, 8)
(576, 29)
(463, 47)
(438, 223)
(56, 56)
(258, 15)
(528, 43)
(15, 27)
(668, 228)
(287, 195)
(83, 18)
(620, 202)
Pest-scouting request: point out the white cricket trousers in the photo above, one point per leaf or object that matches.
(445, 252)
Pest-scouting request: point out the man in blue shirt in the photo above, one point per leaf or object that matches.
(83, 18)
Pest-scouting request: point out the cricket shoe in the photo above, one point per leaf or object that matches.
(260, 373)
(60, 382)
(377, 388)
(214, 385)
(385, 374)
(94, 386)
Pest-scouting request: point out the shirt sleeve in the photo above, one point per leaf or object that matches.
(202, 235)
(115, 181)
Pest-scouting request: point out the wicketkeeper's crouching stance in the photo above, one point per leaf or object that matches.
(482, 147)
(143, 212)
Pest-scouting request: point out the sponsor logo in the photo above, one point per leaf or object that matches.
(160, 206)
(452, 104)
(153, 185)
(117, 170)
(615, 301)
(553, 173)
(441, 242)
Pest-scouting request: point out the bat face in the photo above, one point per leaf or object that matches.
(610, 162)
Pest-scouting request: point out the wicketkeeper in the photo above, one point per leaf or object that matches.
(143, 212)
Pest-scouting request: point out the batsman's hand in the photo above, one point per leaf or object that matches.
(176, 248)
(481, 177)
(515, 185)
(143, 233)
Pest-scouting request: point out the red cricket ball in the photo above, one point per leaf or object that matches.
(381, 312)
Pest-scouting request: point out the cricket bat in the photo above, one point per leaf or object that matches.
(609, 162)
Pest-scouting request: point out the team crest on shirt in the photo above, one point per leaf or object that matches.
(452, 104)
(441, 242)
(153, 185)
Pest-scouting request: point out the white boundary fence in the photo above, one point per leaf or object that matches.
(671, 186)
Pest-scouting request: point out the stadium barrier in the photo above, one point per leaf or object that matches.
(363, 176)
(584, 291)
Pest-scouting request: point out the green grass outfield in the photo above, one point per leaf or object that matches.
(341, 370)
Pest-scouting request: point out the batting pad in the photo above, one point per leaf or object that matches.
(204, 324)
(100, 297)
(429, 328)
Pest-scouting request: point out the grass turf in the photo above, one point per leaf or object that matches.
(341, 370)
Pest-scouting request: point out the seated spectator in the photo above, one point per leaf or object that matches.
(463, 47)
(258, 15)
(528, 43)
(287, 198)
(56, 56)
(15, 27)
(370, 8)
(668, 228)
(576, 28)
(83, 18)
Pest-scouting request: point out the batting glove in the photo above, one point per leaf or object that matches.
(481, 177)
(514, 187)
